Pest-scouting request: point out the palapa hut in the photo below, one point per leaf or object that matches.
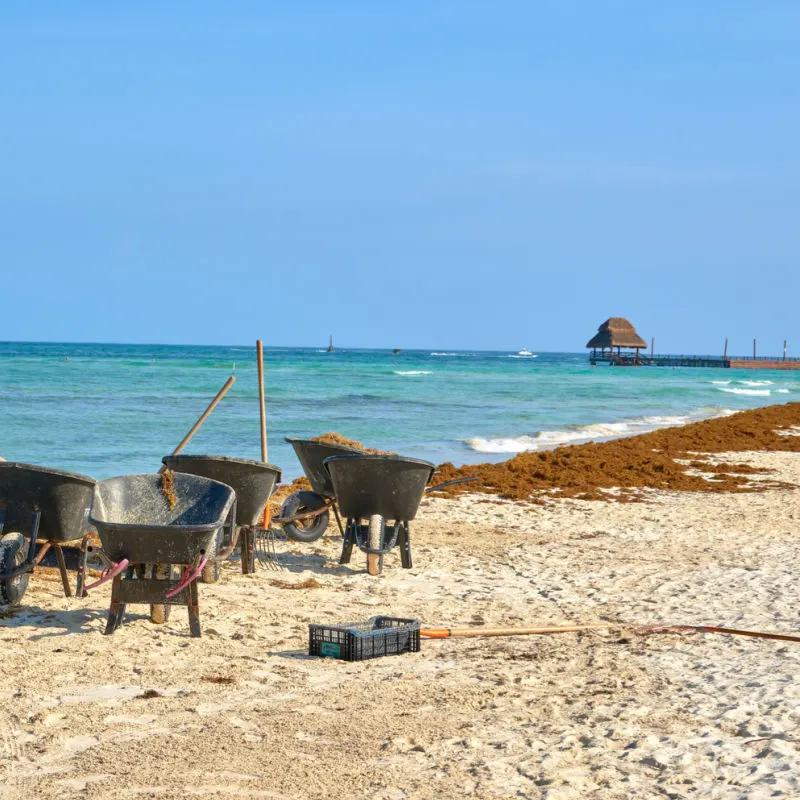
(616, 332)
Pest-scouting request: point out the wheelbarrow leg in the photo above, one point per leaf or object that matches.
(62, 568)
(338, 518)
(81, 582)
(247, 549)
(348, 542)
(37, 516)
(117, 609)
(194, 609)
(404, 542)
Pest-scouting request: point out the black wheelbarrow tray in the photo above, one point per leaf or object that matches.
(253, 482)
(40, 505)
(141, 533)
(304, 515)
(378, 489)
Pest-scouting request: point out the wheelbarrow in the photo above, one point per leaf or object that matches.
(379, 496)
(40, 505)
(304, 515)
(146, 531)
(253, 482)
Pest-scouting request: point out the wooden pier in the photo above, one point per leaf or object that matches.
(617, 343)
(719, 362)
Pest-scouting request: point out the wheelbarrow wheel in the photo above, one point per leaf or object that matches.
(12, 555)
(375, 541)
(305, 530)
(211, 572)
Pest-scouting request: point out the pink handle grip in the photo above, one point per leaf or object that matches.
(110, 573)
(188, 577)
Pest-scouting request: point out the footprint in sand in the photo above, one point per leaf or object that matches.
(10, 754)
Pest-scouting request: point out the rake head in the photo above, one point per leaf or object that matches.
(264, 547)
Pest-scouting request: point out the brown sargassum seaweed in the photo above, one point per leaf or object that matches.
(664, 459)
(168, 487)
(667, 459)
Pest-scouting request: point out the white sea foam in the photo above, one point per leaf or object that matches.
(444, 354)
(756, 383)
(750, 392)
(412, 372)
(782, 391)
(547, 440)
(721, 383)
(517, 355)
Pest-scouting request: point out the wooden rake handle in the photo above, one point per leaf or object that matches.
(453, 633)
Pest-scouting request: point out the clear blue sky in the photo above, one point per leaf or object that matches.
(436, 174)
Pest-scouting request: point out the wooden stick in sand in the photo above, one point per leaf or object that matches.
(262, 407)
(211, 406)
(452, 633)
(263, 412)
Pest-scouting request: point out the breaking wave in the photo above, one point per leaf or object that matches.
(412, 372)
(547, 440)
(751, 392)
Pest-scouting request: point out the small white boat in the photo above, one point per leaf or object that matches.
(524, 352)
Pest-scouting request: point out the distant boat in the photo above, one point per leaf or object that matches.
(396, 351)
(524, 352)
(330, 346)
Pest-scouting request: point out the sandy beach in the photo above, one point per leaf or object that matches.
(244, 712)
(524, 273)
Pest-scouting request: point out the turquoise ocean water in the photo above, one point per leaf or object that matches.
(107, 410)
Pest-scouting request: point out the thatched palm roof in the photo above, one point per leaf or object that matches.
(616, 332)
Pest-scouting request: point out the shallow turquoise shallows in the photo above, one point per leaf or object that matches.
(106, 410)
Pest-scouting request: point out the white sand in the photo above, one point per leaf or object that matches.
(599, 715)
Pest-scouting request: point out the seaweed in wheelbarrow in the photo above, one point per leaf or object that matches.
(40, 505)
(138, 529)
(304, 515)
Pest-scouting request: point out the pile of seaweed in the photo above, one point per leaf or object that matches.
(620, 469)
(331, 437)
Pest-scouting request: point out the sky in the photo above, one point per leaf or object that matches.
(459, 174)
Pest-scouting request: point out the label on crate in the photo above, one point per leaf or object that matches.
(330, 649)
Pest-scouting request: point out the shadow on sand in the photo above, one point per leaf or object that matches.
(319, 565)
(56, 623)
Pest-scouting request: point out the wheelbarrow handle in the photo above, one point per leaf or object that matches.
(110, 573)
(305, 515)
(189, 575)
(450, 483)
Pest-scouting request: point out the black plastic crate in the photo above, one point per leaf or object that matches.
(358, 641)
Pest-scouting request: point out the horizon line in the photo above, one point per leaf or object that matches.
(274, 347)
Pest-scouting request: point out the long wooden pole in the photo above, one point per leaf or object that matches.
(211, 406)
(452, 633)
(725, 353)
(265, 522)
(261, 406)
